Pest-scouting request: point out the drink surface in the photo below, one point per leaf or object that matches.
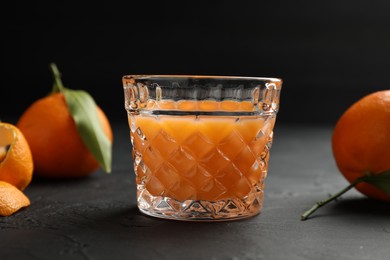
(201, 157)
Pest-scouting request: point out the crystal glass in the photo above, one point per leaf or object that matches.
(200, 143)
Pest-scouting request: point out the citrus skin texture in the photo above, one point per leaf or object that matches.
(57, 148)
(11, 199)
(361, 141)
(16, 164)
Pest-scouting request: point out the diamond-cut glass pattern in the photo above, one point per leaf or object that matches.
(200, 143)
(204, 173)
(183, 163)
(164, 144)
(197, 146)
(231, 145)
(218, 159)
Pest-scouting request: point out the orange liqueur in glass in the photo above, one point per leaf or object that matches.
(202, 159)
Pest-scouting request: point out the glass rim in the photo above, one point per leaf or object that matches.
(184, 76)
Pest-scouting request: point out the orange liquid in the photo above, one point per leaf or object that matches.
(200, 158)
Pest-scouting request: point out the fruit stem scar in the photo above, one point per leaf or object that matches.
(321, 203)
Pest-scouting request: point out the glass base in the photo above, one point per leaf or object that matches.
(200, 210)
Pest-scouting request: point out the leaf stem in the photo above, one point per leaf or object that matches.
(57, 86)
(332, 197)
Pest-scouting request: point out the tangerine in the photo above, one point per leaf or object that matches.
(361, 141)
(57, 148)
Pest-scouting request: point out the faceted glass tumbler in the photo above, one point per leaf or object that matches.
(200, 143)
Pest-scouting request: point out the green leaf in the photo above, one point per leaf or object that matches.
(381, 181)
(83, 110)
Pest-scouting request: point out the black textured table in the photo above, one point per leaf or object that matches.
(97, 218)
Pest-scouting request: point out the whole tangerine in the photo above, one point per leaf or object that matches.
(57, 148)
(361, 141)
(360, 144)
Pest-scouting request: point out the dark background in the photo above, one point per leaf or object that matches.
(329, 53)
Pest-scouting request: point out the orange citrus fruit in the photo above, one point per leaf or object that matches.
(16, 163)
(361, 141)
(11, 199)
(57, 148)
